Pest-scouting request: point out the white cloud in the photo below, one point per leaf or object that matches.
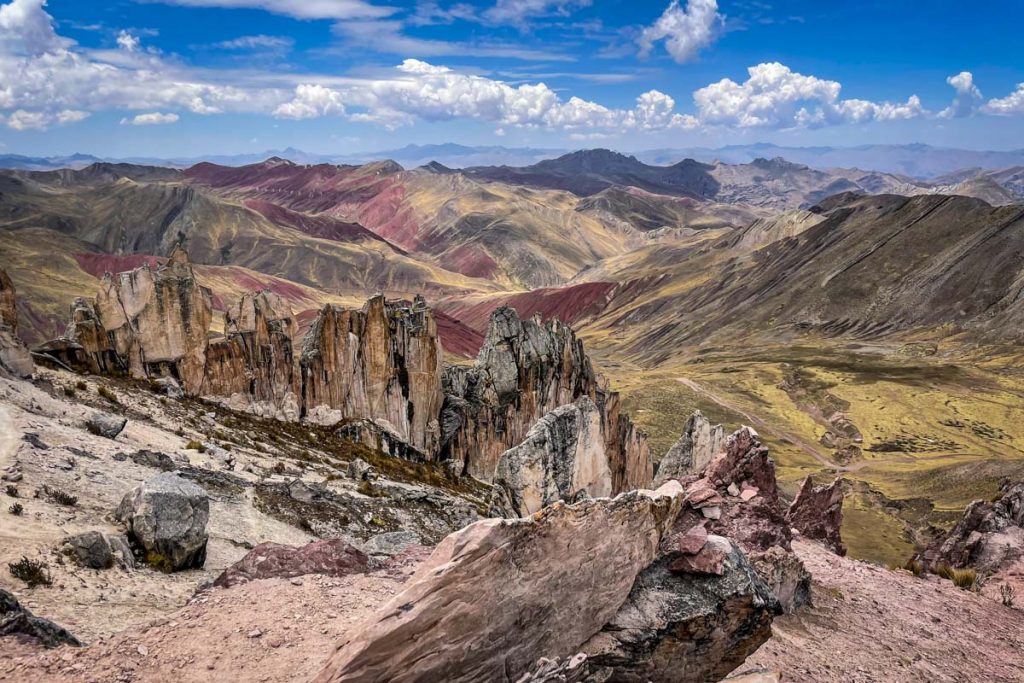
(151, 119)
(311, 101)
(127, 41)
(299, 9)
(1007, 106)
(517, 12)
(71, 116)
(27, 120)
(256, 42)
(967, 99)
(25, 28)
(685, 32)
(774, 96)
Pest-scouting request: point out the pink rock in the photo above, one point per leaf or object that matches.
(702, 493)
(710, 559)
(748, 493)
(693, 540)
(331, 557)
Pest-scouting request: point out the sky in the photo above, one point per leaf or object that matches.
(178, 78)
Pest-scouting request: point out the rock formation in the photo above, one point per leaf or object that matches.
(817, 513)
(167, 516)
(680, 626)
(562, 457)
(382, 363)
(97, 550)
(255, 366)
(14, 357)
(693, 451)
(524, 370)
(500, 594)
(330, 557)
(989, 537)
(15, 619)
(105, 424)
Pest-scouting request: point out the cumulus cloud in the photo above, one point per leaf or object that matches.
(22, 120)
(151, 119)
(967, 99)
(310, 101)
(685, 32)
(299, 9)
(127, 41)
(1012, 104)
(26, 29)
(774, 96)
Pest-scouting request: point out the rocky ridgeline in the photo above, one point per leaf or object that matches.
(377, 372)
(525, 370)
(14, 357)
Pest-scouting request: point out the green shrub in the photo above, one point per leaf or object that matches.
(194, 445)
(60, 497)
(32, 572)
(81, 385)
(17, 509)
(69, 392)
(12, 490)
(107, 394)
(159, 563)
(965, 578)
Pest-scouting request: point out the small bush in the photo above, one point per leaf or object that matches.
(32, 572)
(159, 563)
(60, 497)
(107, 394)
(944, 570)
(12, 490)
(1006, 593)
(17, 509)
(965, 578)
(69, 392)
(278, 468)
(914, 567)
(194, 445)
(368, 489)
(81, 385)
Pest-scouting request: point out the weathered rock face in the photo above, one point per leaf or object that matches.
(693, 451)
(525, 370)
(148, 323)
(500, 594)
(255, 367)
(382, 363)
(14, 356)
(989, 537)
(97, 550)
(562, 458)
(167, 516)
(685, 627)
(817, 512)
(15, 619)
(330, 557)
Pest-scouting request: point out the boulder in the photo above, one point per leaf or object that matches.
(359, 469)
(16, 619)
(168, 386)
(785, 575)
(105, 424)
(573, 669)
(817, 513)
(147, 458)
(391, 543)
(685, 628)
(330, 557)
(14, 356)
(97, 550)
(167, 517)
(562, 456)
(500, 594)
(693, 451)
(526, 369)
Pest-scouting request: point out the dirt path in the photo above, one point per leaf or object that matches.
(805, 445)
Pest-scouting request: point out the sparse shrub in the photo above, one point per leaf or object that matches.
(965, 578)
(69, 392)
(194, 445)
(12, 490)
(60, 497)
(944, 570)
(32, 572)
(107, 394)
(368, 489)
(17, 509)
(81, 385)
(159, 563)
(914, 567)
(1007, 594)
(278, 468)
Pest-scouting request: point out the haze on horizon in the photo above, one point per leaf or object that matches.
(172, 78)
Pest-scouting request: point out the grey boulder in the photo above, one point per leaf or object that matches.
(105, 424)
(97, 550)
(167, 517)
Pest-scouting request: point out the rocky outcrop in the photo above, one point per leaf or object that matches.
(16, 619)
(693, 451)
(167, 516)
(97, 550)
(381, 363)
(255, 366)
(678, 625)
(573, 669)
(817, 513)
(989, 537)
(105, 424)
(14, 356)
(526, 369)
(329, 557)
(562, 458)
(500, 594)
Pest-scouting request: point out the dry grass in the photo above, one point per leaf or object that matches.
(32, 572)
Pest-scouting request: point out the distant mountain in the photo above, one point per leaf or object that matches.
(26, 163)
(916, 160)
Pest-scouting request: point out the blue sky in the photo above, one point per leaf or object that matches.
(190, 77)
